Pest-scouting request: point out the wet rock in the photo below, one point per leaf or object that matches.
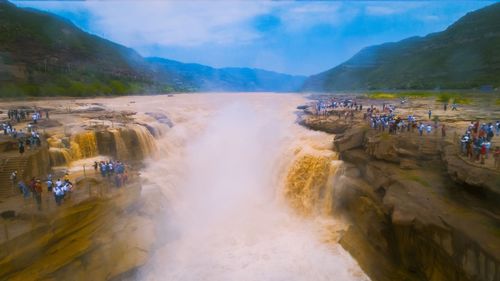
(161, 118)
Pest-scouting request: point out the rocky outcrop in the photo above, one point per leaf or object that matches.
(325, 125)
(475, 177)
(411, 210)
(102, 238)
(404, 197)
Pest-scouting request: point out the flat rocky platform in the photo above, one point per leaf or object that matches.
(433, 213)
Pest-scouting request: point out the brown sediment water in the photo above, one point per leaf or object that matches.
(59, 156)
(121, 149)
(85, 145)
(249, 193)
(245, 193)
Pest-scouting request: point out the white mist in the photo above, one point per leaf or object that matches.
(222, 170)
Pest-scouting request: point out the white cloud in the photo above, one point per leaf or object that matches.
(380, 11)
(175, 23)
(300, 16)
(172, 23)
(193, 23)
(391, 8)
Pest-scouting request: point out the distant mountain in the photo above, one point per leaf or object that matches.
(466, 55)
(42, 54)
(205, 78)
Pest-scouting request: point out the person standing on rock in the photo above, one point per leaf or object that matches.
(469, 150)
(49, 185)
(28, 143)
(13, 178)
(483, 153)
(38, 194)
(58, 194)
(421, 129)
(58, 183)
(496, 156)
(21, 147)
(430, 113)
(24, 189)
(443, 131)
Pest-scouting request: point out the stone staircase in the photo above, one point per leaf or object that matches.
(429, 147)
(9, 165)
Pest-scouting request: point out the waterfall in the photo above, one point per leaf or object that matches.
(85, 145)
(123, 143)
(59, 156)
(147, 142)
(306, 184)
(120, 147)
(230, 173)
(134, 142)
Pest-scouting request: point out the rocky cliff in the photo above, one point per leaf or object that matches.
(417, 210)
(96, 239)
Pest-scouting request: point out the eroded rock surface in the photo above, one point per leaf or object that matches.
(413, 215)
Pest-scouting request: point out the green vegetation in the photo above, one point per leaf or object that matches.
(464, 56)
(497, 102)
(383, 96)
(461, 100)
(44, 55)
(407, 94)
(443, 97)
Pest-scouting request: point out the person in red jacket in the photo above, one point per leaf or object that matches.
(38, 194)
(483, 152)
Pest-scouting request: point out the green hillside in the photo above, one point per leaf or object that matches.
(464, 56)
(42, 54)
(45, 55)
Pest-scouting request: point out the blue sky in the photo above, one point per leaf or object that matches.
(302, 37)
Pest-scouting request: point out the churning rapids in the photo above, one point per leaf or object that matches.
(223, 168)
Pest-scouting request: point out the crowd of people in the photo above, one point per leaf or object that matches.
(60, 189)
(336, 106)
(29, 138)
(112, 170)
(19, 115)
(386, 119)
(476, 142)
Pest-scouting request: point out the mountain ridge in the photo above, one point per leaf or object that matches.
(207, 78)
(465, 55)
(42, 54)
